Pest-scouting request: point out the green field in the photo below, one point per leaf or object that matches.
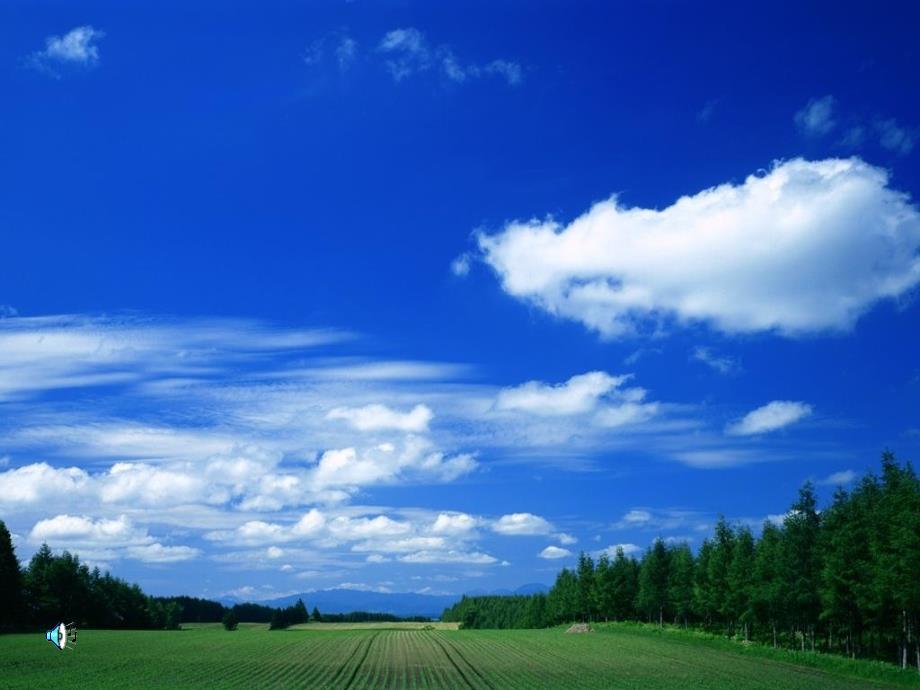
(393, 658)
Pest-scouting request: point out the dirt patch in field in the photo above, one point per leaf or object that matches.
(579, 628)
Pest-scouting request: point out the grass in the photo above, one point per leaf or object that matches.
(335, 656)
(400, 625)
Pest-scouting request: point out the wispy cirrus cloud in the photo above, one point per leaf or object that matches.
(770, 417)
(720, 363)
(407, 52)
(817, 117)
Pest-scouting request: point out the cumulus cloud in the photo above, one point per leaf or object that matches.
(77, 48)
(380, 417)
(32, 484)
(595, 391)
(117, 538)
(554, 552)
(385, 463)
(521, 524)
(454, 524)
(817, 117)
(566, 539)
(808, 246)
(770, 417)
(579, 394)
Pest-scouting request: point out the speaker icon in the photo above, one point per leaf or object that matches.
(61, 635)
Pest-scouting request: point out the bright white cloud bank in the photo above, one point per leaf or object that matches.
(808, 246)
(770, 417)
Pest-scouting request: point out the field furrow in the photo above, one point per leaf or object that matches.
(404, 659)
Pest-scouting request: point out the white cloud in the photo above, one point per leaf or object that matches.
(460, 266)
(310, 524)
(78, 47)
(453, 524)
(625, 414)
(157, 553)
(378, 558)
(839, 478)
(449, 556)
(33, 484)
(383, 464)
(140, 484)
(770, 417)
(49, 353)
(116, 538)
(611, 551)
(554, 552)
(511, 71)
(808, 246)
(577, 395)
(721, 364)
(615, 406)
(637, 517)
(566, 539)
(817, 117)
(716, 458)
(894, 137)
(521, 524)
(402, 545)
(380, 417)
(408, 52)
(346, 52)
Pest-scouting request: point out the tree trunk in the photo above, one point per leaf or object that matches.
(774, 635)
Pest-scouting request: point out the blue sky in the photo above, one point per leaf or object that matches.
(406, 297)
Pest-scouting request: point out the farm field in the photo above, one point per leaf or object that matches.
(253, 657)
(400, 625)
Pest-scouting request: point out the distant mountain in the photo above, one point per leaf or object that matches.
(397, 603)
(346, 600)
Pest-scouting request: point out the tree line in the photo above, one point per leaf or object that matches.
(52, 587)
(844, 580)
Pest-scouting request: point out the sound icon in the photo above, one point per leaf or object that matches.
(61, 635)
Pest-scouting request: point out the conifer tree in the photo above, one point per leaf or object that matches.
(11, 595)
(680, 583)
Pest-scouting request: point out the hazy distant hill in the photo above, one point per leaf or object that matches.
(397, 603)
